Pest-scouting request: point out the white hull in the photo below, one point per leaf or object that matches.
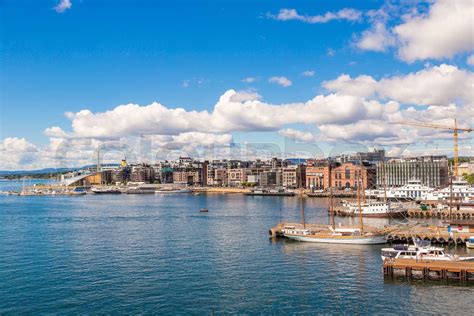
(434, 258)
(470, 245)
(355, 240)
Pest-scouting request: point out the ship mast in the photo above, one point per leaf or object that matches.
(361, 223)
(383, 182)
(362, 179)
(331, 200)
(301, 197)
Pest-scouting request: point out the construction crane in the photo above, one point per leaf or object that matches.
(455, 130)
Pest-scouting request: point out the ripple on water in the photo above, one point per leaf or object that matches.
(143, 254)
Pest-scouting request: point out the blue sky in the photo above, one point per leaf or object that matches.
(97, 55)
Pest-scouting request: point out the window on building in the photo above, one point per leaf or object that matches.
(348, 173)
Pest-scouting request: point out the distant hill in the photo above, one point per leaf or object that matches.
(49, 170)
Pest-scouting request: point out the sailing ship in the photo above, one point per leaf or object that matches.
(332, 234)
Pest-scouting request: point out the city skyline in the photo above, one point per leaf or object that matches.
(211, 77)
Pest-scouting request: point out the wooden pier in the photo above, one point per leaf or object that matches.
(462, 271)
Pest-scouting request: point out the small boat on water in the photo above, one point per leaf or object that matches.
(204, 210)
(421, 250)
(470, 242)
(106, 191)
(170, 191)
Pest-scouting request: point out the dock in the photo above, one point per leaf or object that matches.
(462, 213)
(462, 271)
(435, 234)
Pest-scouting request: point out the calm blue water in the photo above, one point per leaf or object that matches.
(144, 254)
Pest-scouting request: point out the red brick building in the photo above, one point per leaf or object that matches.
(346, 175)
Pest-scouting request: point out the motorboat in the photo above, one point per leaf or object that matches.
(420, 250)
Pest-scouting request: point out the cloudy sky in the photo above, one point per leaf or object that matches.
(150, 80)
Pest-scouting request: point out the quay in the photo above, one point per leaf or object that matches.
(455, 232)
(455, 213)
(462, 271)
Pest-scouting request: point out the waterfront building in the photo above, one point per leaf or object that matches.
(270, 179)
(235, 177)
(166, 174)
(142, 173)
(351, 175)
(293, 176)
(217, 177)
(317, 177)
(187, 176)
(432, 171)
(121, 175)
(340, 176)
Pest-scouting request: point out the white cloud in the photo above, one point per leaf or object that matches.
(308, 73)
(282, 81)
(377, 38)
(438, 85)
(235, 111)
(16, 152)
(55, 131)
(249, 80)
(446, 29)
(364, 130)
(344, 14)
(470, 60)
(244, 96)
(297, 135)
(62, 6)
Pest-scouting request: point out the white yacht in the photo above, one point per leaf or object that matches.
(374, 209)
(460, 190)
(421, 250)
(413, 190)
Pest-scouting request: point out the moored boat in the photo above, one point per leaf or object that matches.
(420, 250)
(106, 191)
(470, 242)
(340, 235)
(373, 209)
